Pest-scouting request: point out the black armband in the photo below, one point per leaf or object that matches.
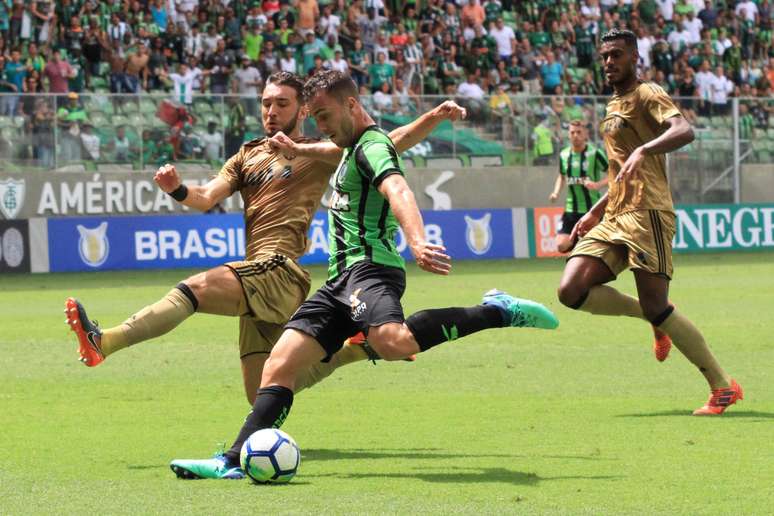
(180, 193)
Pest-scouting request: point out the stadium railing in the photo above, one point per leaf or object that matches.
(100, 131)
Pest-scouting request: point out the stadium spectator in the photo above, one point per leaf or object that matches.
(212, 141)
(248, 80)
(90, 142)
(720, 88)
(57, 72)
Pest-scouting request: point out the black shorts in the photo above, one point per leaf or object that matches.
(569, 219)
(364, 295)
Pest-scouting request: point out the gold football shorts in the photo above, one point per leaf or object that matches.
(274, 288)
(635, 240)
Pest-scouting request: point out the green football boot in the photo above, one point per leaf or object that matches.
(521, 313)
(215, 468)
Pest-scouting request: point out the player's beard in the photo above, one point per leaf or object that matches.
(289, 128)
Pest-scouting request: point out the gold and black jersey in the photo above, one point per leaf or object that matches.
(280, 197)
(631, 120)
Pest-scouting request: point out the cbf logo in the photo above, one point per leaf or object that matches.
(93, 246)
(478, 234)
(11, 197)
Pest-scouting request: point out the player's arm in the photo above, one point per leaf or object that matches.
(558, 185)
(675, 132)
(429, 257)
(590, 219)
(403, 137)
(198, 197)
(408, 135)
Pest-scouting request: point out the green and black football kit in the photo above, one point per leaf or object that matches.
(577, 167)
(366, 274)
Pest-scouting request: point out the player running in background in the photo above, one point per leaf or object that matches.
(583, 168)
(280, 198)
(641, 125)
(366, 276)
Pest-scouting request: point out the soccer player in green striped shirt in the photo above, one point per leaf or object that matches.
(583, 168)
(366, 275)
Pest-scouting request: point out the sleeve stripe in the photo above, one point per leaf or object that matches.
(363, 166)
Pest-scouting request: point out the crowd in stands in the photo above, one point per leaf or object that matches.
(484, 54)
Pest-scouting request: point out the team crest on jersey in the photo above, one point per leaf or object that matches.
(358, 306)
(93, 245)
(11, 197)
(339, 201)
(478, 234)
(614, 122)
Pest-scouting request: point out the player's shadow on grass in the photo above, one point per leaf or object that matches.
(469, 476)
(752, 414)
(322, 454)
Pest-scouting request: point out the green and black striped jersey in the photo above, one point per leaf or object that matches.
(576, 167)
(361, 225)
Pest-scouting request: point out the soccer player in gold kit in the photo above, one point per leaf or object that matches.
(280, 195)
(641, 125)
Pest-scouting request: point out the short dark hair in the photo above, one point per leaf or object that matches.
(626, 35)
(330, 82)
(288, 79)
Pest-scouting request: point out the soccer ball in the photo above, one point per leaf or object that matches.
(270, 456)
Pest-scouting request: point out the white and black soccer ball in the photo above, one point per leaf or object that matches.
(270, 456)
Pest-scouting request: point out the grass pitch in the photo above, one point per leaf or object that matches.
(580, 420)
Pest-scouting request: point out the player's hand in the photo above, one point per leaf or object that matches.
(167, 178)
(553, 197)
(630, 169)
(591, 185)
(450, 110)
(432, 258)
(282, 143)
(584, 225)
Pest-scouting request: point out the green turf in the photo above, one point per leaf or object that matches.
(580, 420)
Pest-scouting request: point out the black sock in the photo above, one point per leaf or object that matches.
(433, 327)
(270, 409)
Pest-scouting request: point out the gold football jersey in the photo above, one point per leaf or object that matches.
(280, 197)
(631, 120)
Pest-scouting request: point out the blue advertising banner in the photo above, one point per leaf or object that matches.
(101, 243)
(466, 234)
(203, 241)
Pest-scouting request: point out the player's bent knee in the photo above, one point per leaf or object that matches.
(654, 310)
(392, 341)
(571, 296)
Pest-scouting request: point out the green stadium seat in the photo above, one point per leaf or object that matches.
(147, 106)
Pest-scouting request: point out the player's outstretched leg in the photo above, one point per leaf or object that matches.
(521, 313)
(428, 328)
(152, 321)
(87, 331)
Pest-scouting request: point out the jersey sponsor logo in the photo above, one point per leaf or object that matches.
(577, 180)
(478, 234)
(11, 197)
(261, 177)
(613, 122)
(12, 247)
(93, 245)
(339, 201)
(358, 306)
